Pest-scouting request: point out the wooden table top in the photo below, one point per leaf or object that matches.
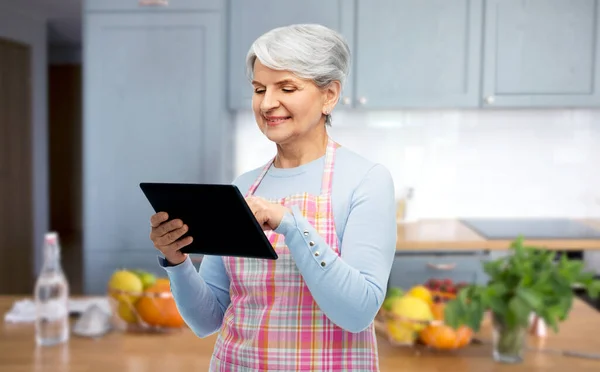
(183, 351)
(451, 234)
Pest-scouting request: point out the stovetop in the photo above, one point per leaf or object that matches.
(530, 228)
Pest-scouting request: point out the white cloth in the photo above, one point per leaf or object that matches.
(23, 311)
(94, 322)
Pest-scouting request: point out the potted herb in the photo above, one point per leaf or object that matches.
(530, 280)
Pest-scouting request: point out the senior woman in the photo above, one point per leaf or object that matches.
(328, 212)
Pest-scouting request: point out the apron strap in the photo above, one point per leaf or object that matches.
(260, 177)
(328, 169)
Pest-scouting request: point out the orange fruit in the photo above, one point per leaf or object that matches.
(446, 338)
(157, 306)
(437, 309)
(163, 283)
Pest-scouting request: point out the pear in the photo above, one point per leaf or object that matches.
(392, 293)
(148, 279)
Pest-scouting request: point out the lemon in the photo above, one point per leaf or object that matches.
(401, 333)
(127, 312)
(421, 292)
(126, 285)
(412, 308)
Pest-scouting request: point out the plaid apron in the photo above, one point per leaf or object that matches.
(273, 322)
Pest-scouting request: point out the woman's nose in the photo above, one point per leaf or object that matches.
(269, 101)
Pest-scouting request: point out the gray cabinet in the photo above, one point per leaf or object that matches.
(417, 53)
(250, 19)
(541, 53)
(410, 269)
(443, 54)
(154, 111)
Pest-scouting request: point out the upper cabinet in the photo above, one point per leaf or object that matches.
(250, 19)
(417, 53)
(152, 5)
(541, 53)
(154, 111)
(440, 53)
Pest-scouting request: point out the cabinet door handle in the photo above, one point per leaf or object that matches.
(153, 2)
(447, 267)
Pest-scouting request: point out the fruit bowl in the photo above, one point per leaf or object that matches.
(435, 334)
(146, 308)
(417, 318)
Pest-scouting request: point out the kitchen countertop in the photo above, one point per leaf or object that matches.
(183, 351)
(451, 234)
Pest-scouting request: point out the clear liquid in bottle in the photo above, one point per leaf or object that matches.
(51, 297)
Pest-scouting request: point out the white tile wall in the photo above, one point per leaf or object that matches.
(514, 163)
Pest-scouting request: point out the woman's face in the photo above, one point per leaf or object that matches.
(287, 107)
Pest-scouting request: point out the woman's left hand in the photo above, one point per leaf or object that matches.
(268, 215)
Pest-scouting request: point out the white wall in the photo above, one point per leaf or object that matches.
(28, 27)
(529, 163)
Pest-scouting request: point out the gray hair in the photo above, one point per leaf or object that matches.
(310, 51)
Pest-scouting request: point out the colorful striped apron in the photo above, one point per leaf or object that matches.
(273, 322)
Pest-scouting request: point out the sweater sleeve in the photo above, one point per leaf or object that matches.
(201, 296)
(349, 288)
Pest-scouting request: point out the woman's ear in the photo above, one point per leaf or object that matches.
(331, 95)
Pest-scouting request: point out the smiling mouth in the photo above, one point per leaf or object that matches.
(273, 121)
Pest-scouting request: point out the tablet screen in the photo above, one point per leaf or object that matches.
(217, 216)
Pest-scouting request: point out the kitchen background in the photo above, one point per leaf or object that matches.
(103, 93)
(470, 163)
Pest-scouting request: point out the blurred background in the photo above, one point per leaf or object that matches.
(478, 108)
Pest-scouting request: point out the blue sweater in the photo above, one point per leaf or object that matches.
(350, 288)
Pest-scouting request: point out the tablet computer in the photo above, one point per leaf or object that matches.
(217, 216)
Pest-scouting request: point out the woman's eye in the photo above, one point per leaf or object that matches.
(285, 90)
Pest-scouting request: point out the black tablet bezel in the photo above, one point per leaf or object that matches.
(186, 200)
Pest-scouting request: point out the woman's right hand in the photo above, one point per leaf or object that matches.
(165, 236)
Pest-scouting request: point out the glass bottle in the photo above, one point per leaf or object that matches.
(51, 296)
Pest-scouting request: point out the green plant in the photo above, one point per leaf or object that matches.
(529, 280)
